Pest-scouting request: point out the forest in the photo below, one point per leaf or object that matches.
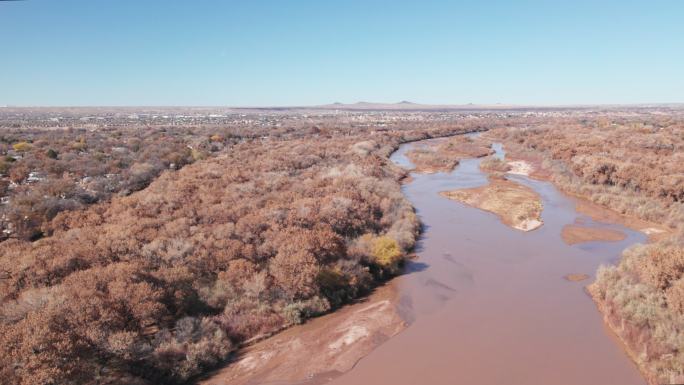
(243, 237)
(49, 171)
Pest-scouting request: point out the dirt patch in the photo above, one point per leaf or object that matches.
(576, 277)
(516, 205)
(652, 231)
(319, 350)
(573, 234)
(443, 156)
(520, 167)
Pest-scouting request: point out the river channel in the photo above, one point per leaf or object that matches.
(488, 304)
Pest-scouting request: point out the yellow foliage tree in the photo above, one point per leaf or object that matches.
(21, 146)
(386, 252)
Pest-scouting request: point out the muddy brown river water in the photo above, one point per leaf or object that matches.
(488, 304)
(482, 304)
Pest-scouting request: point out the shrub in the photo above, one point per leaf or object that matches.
(297, 312)
(4, 166)
(386, 253)
(675, 296)
(335, 286)
(194, 344)
(197, 154)
(81, 145)
(22, 146)
(494, 164)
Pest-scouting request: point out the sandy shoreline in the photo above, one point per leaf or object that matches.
(574, 234)
(323, 348)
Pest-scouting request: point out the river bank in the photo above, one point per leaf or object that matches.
(340, 338)
(481, 304)
(490, 303)
(320, 350)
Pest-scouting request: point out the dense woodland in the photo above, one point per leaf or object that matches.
(54, 160)
(634, 166)
(49, 171)
(157, 285)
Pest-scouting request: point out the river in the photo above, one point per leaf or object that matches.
(488, 304)
(481, 304)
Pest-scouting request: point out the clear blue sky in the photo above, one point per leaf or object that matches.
(201, 52)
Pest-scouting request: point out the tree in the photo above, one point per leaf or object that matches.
(386, 252)
(295, 271)
(22, 146)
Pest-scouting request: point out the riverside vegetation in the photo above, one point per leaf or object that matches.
(444, 156)
(636, 167)
(158, 285)
(148, 253)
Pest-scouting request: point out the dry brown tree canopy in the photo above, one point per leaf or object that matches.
(229, 237)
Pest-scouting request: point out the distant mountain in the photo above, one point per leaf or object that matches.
(407, 105)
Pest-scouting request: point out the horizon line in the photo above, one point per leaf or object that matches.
(361, 104)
